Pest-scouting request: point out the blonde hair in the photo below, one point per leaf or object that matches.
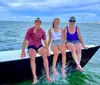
(54, 20)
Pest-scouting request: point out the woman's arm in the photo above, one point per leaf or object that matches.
(65, 36)
(23, 48)
(46, 46)
(25, 42)
(50, 37)
(80, 38)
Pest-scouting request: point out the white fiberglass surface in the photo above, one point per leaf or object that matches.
(15, 54)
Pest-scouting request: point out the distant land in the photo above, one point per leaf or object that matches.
(46, 22)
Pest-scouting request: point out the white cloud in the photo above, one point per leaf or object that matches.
(14, 17)
(91, 7)
(27, 17)
(3, 9)
(79, 16)
(15, 4)
(49, 4)
(72, 3)
(65, 17)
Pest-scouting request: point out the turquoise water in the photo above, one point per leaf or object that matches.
(12, 35)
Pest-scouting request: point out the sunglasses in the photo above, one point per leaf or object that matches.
(72, 21)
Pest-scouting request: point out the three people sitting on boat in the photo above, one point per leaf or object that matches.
(57, 37)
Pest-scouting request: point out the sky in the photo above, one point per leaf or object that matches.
(47, 10)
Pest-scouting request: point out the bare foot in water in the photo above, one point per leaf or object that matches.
(63, 72)
(48, 78)
(55, 72)
(79, 68)
(35, 81)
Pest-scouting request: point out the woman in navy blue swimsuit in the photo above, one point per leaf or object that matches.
(74, 41)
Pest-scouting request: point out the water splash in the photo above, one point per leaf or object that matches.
(59, 80)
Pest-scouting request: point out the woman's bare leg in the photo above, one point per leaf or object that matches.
(55, 57)
(72, 48)
(32, 54)
(62, 49)
(79, 51)
(43, 53)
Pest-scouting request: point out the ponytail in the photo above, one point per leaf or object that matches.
(53, 22)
